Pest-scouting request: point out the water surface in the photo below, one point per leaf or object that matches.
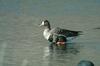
(21, 40)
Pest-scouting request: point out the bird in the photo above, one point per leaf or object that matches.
(51, 34)
(85, 63)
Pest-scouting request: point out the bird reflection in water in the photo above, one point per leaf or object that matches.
(60, 55)
(67, 48)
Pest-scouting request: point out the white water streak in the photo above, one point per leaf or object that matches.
(2, 52)
(24, 62)
(45, 56)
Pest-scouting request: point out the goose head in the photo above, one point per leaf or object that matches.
(46, 24)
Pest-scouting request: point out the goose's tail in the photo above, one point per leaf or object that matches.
(80, 32)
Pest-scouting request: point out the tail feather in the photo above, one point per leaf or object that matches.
(80, 32)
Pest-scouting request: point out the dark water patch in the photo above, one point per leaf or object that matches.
(97, 28)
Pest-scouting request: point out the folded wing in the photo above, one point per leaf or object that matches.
(67, 33)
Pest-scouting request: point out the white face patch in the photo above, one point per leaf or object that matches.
(42, 23)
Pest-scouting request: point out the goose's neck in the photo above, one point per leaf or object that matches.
(48, 27)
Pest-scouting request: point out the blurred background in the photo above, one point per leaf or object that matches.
(21, 40)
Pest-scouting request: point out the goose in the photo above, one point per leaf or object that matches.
(85, 63)
(49, 34)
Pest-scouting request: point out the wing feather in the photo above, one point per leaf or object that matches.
(67, 33)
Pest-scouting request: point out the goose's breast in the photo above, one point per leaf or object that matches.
(46, 34)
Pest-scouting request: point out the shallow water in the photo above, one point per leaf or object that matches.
(22, 43)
